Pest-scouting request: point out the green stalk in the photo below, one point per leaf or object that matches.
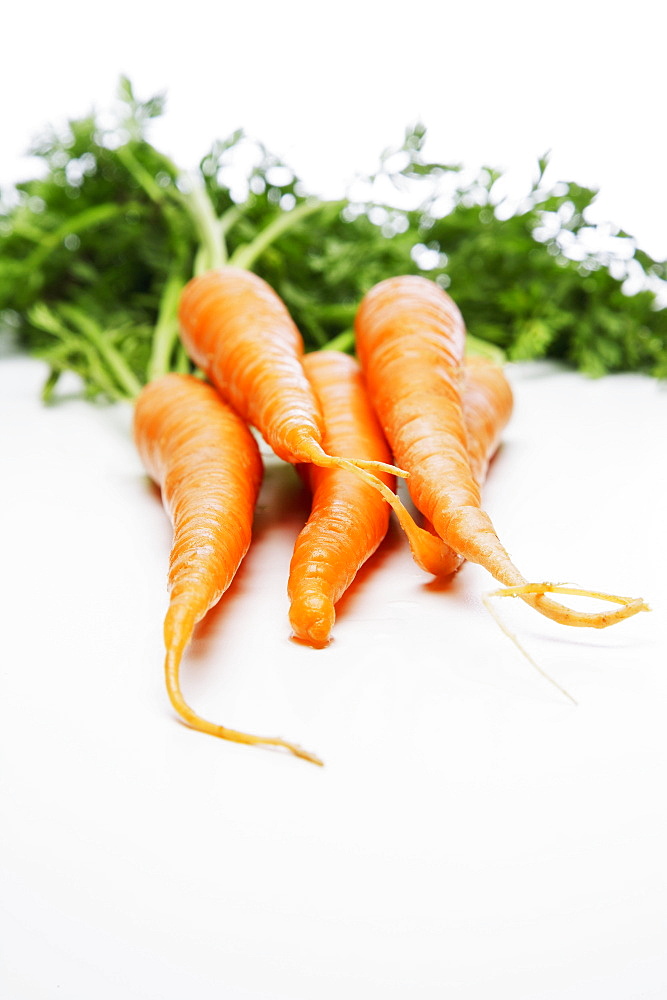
(163, 198)
(181, 360)
(484, 348)
(245, 256)
(143, 177)
(101, 374)
(338, 312)
(114, 360)
(213, 249)
(342, 342)
(230, 217)
(64, 357)
(165, 332)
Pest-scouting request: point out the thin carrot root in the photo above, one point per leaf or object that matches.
(524, 652)
(532, 594)
(429, 551)
(410, 341)
(315, 453)
(436, 557)
(195, 721)
(372, 466)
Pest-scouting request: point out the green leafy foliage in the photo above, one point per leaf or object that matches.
(95, 249)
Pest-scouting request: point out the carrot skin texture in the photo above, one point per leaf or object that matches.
(410, 339)
(487, 404)
(348, 518)
(208, 467)
(240, 333)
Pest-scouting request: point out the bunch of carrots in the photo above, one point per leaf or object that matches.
(118, 269)
(411, 406)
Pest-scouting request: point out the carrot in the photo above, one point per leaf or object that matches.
(207, 464)
(349, 518)
(240, 333)
(410, 339)
(487, 404)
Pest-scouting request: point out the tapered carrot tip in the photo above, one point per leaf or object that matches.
(201, 725)
(305, 755)
(249, 739)
(312, 618)
(428, 549)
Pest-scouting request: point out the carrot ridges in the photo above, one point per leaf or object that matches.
(410, 339)
(240, 333)
(208, 467)
(349, 515)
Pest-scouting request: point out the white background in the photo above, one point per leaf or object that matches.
(472, 834)
(330, 86)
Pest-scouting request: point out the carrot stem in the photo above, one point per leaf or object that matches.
(229, 218)
(115, 361)
(484, 349)
(142, 176)
(109, 368)
(165, 332)
(213, 249)
(245, 256)
(343, 342)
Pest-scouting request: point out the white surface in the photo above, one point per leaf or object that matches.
(472, 834)
(330, 88)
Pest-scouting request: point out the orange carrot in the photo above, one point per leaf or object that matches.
(487, 404)
(239, 332)
(349, 518)
(208, 467)
(410, 340)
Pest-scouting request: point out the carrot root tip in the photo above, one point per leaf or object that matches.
(566, 588)
(373, 466)
(312, 616)
(628, 606)
(195, 721)
(510, 635)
